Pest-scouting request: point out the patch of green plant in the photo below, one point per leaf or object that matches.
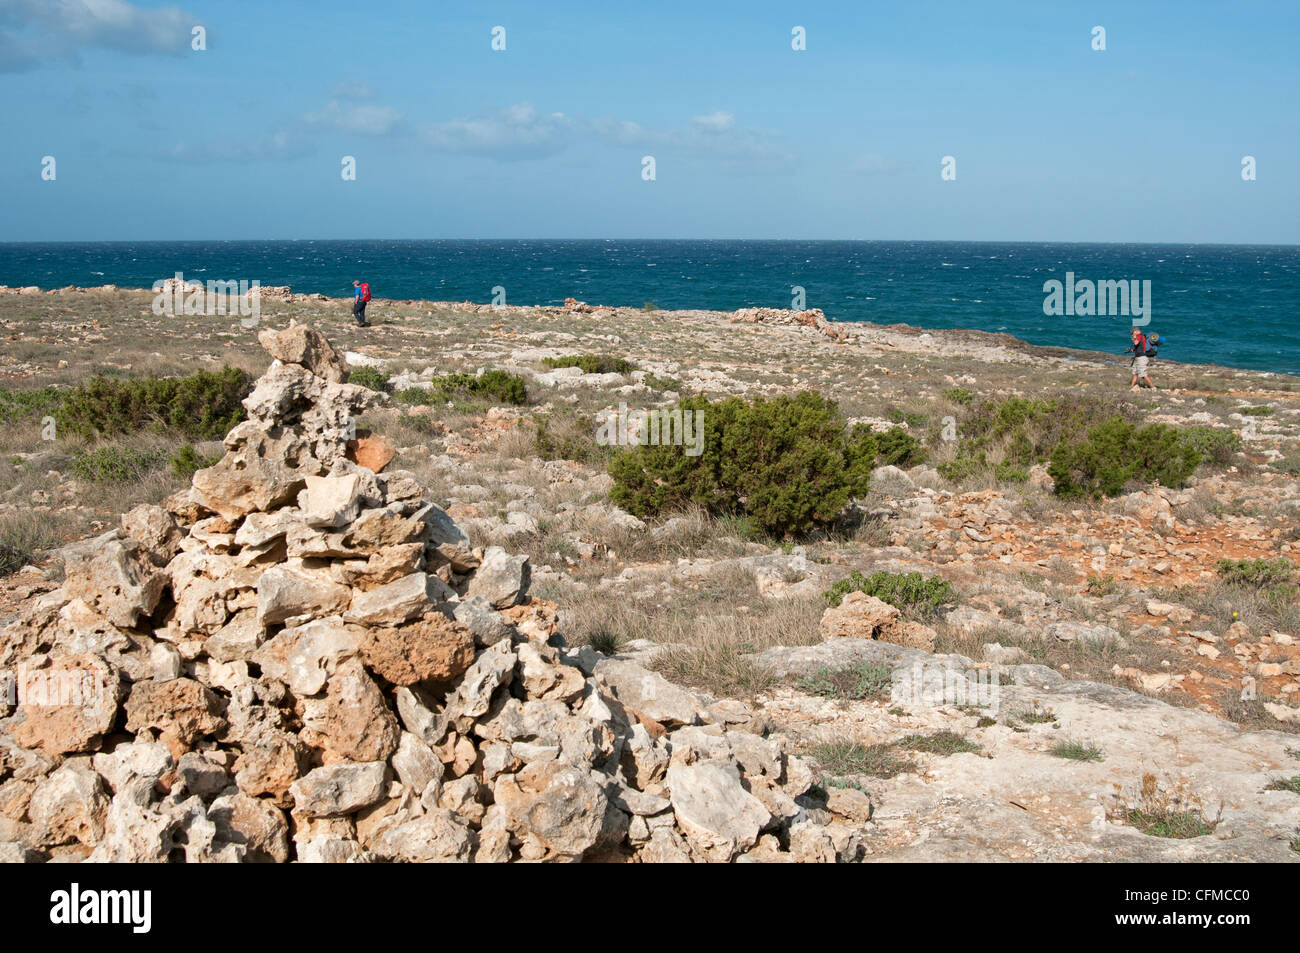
(1010, 473)
(1178, 825)
(116, 464)
(21, 404)
(187, 460)
(1101, 585)
(896, 447)
(1031, 716)
(1073, 750)
(853, 682)
(590, 363)
(203, 406)
(1285, 784)
(373, 378)
(1115, 452)
(941, 743)
(963, 466)
(1216, 445)
(851, 757)
(787, 464)
(1262, 411)
(498, 385)
(910, 417)
(655, 382)
(959, 395)
(910, 591)
(1256, 573)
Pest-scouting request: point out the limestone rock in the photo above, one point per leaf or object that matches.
(302, 345)
(430, 649)
(341, 788)
(501, 579)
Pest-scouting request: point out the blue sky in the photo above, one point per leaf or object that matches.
(1053, 141)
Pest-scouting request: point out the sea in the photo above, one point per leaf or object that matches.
(1233, 305)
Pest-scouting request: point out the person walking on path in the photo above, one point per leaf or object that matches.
(1141, 361)
(360, 301)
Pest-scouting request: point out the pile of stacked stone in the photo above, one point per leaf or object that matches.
(300, 658)
(809, 318)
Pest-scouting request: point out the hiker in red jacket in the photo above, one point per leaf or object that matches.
(1140, 351)
(360, 301)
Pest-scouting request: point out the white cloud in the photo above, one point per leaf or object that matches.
(516, 132)
(33, 31)
(522, 131)
(715, 122)
(362, 120)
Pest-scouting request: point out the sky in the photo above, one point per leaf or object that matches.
(1052, 140)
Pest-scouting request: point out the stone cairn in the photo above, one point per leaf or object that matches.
(300, 658)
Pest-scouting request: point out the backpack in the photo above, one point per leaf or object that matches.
(365, 291)
(1153, 341)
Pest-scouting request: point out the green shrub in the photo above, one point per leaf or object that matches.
(1264, 411)
(1256, 573)
(185, 461)
(786, 463)
(1010, 473)
(910, 417)
(20, 404)
(908, 591)
(202, 406)
(116, 464)
(1115, 452)
(1216, 445)
(855, 682)
(498, 385)
(959, 395)
(961, 467)
(898, 448)
(590, 363)
(654, 382)
(373, 378)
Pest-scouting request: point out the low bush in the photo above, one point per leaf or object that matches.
(590, 363)
(855, 682)
(910, 591)
(116, 464)
(787, 464)
(1216, 445)
(959, 395)
(370, 377)
(1256, 573)
(1115, 452)
(896, 447)
(20, 404)
(202, 406)
(187, 460)
(498, 385)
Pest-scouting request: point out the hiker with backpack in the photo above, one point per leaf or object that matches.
(1143, 350)
(360, 301)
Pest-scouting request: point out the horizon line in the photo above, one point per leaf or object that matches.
(917, 241)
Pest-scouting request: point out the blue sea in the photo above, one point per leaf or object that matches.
(1235, 305)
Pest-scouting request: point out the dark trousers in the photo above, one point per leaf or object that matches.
(359, 311)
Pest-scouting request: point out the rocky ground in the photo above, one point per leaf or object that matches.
(1112, 678)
